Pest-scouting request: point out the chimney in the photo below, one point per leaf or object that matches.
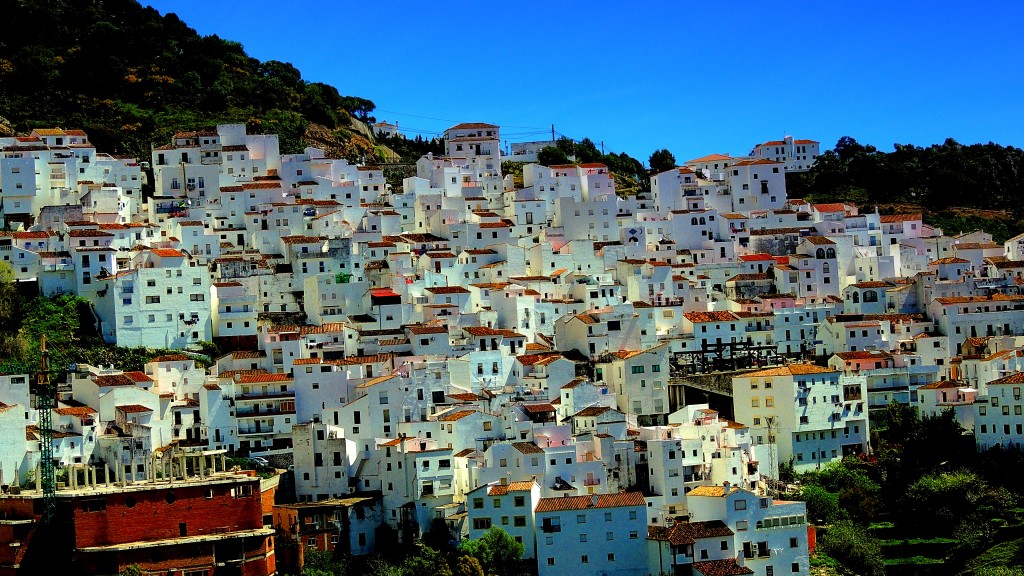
(593, 500)
(725, 488)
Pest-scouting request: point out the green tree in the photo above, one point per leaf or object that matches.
(322, 563)
(12, 347)
(496, 551)
(131, 570)
(552, 156)
(856, 551)
(939, 503)
(438, 536)
(467, 566)
(426, 562)
(661, 160)
(385, 537)
(822, 505)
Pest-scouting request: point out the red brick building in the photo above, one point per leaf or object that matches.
(196, 527)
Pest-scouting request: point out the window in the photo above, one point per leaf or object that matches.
(519, 501)
(583, 537)
(794, 542)
(478, 503)
(581, 518)
(584, 559)
(481, 523)
(633, 535)
(740, 505)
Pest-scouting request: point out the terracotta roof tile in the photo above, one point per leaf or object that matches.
(725, 567)
(456, 415)
(502, 489)
(262, 378)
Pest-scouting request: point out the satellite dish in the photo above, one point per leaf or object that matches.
(72, 367)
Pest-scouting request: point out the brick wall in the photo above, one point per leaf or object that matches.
(157, 514)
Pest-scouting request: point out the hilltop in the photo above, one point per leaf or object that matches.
(130, 76)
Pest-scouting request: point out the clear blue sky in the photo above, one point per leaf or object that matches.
(692, 77)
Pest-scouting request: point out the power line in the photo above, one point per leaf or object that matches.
(450, 120)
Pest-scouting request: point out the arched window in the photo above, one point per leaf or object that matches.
(870, 296)
(819, 253)
(702, 221)
(693, 221)
(856, 297)
(825, 268)
(830, 253)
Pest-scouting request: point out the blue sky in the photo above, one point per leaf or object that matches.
(692, 77)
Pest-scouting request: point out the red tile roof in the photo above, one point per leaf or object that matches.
(472, 126)
(485, 331)
(80, 411)
(261, 378)
(114, 380)
(726, 567)
(700, 317)
(502, 489)
(892, 218)
(456, 415)
(790, 370)
(683, 533)
(447, 290)
(171, 358)
(833, 207)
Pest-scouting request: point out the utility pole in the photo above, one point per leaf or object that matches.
(602, 147)
(552, 133)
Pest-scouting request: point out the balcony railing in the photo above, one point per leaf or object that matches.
(264, 413)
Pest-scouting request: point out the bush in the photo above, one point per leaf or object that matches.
(854, 549)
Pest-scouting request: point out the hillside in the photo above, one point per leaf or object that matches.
(958, 187)
(130, 76)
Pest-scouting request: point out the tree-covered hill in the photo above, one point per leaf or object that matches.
(959, 187)
(130, 76)
(984, 176)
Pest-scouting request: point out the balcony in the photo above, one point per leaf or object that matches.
(251, 430)
(265, 413)
(253, 396)
(173, 208)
